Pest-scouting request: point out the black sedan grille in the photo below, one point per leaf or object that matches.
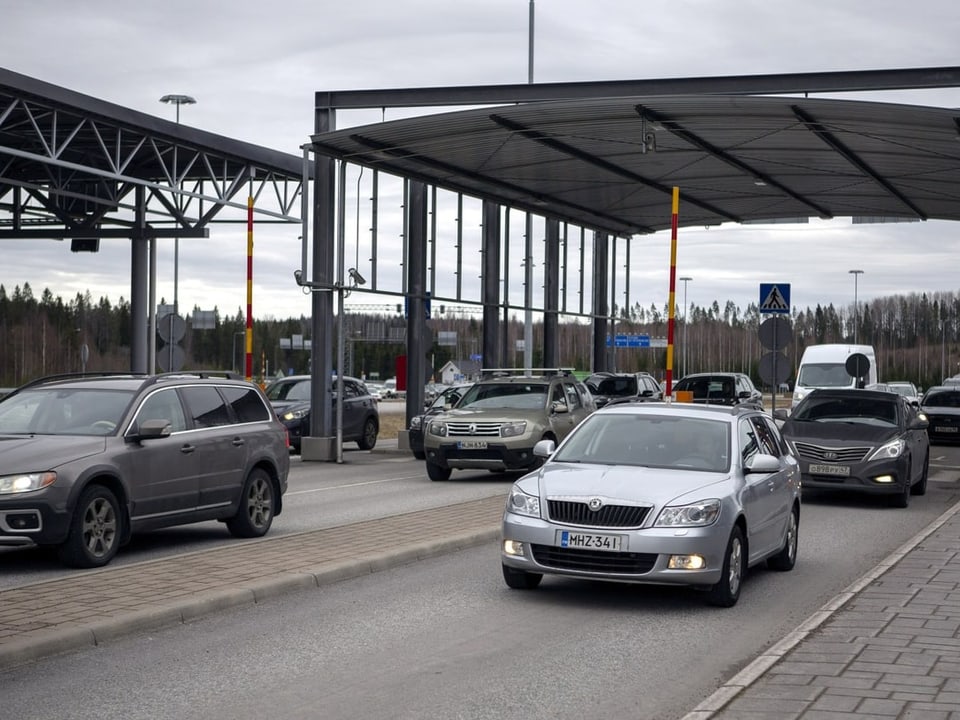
(821, 453)
(626, 563)
(572, 512)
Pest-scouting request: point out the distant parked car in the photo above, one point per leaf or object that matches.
(290, 397)
(660, 493)
(88, 461)
(941, 406)
(864, 440)
(907, 389)
(623, 387)
(721, 388)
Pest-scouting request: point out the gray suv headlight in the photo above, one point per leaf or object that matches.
(26, 482)
(438, 428)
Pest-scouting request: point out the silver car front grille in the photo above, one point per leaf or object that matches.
(572, 512)
(820, 453)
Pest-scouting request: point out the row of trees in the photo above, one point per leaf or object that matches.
(915, 337)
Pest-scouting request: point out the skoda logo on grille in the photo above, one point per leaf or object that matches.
(595, 504)
(829, 455)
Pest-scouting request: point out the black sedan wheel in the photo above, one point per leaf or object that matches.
(369, 437)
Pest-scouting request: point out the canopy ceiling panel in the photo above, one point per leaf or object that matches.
(610, 163)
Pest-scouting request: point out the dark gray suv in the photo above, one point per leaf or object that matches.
(88, 460)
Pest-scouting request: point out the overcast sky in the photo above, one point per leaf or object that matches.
(254, 67)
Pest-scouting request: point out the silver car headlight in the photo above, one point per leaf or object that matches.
(697, 514)
(513, 429)
(438, 428)
(26, 482)
(892, 449)
(520, 503)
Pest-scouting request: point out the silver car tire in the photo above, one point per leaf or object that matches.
(727, 591)
(95, 530)
(787, 557)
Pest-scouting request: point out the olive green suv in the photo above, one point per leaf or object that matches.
(499, 420)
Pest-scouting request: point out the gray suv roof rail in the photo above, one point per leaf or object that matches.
(76, 376)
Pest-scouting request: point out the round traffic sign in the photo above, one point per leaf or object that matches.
(171, 328)
(776, 333)
(857, 365)
(774, 368)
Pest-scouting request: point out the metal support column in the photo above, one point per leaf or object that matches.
(551, 295)
(600, 309)
(418, 342)
(490, 290)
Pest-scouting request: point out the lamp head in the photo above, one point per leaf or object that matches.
(356, 276)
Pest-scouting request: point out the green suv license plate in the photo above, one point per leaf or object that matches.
(472, 444)
(589, 541)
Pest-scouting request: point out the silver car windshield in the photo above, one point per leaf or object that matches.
(682, 443)
(61, 411)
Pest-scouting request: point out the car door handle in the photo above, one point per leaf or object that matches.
(187, 449)
(237, 442)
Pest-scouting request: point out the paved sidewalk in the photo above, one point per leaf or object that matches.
(886, 647)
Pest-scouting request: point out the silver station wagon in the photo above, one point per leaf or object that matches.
(660, 493)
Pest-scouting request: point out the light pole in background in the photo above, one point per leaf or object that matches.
(685, 280)
(856, 307)
(177, 100)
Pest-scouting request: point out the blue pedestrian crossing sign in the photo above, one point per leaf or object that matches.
(775, 298)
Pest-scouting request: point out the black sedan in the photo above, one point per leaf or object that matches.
(941, 405)
(442, 402)
(869, 441)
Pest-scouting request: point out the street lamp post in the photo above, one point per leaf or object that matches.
(177, 100)
(685, 280)
(856, 307)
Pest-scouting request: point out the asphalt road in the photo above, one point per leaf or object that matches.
(444, 638)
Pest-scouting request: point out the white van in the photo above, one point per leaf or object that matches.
(824, 366)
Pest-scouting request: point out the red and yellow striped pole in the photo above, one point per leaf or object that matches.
(249, 335)
(673, 284)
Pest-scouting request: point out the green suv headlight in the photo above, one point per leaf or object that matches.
(513, 429)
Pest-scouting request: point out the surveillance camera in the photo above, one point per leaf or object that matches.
(357, 277)
(298, 276)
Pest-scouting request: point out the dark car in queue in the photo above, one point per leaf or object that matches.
(87, 461)
(657, 493)
(862, 440)
(607, 387)
(719, 388)
(443, 400)
(941, 406)
(290, 397)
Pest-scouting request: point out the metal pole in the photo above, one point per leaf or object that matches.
(856, 308)
(685, 280)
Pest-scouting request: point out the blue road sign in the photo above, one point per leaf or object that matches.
(775, 298)
(630, 341)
